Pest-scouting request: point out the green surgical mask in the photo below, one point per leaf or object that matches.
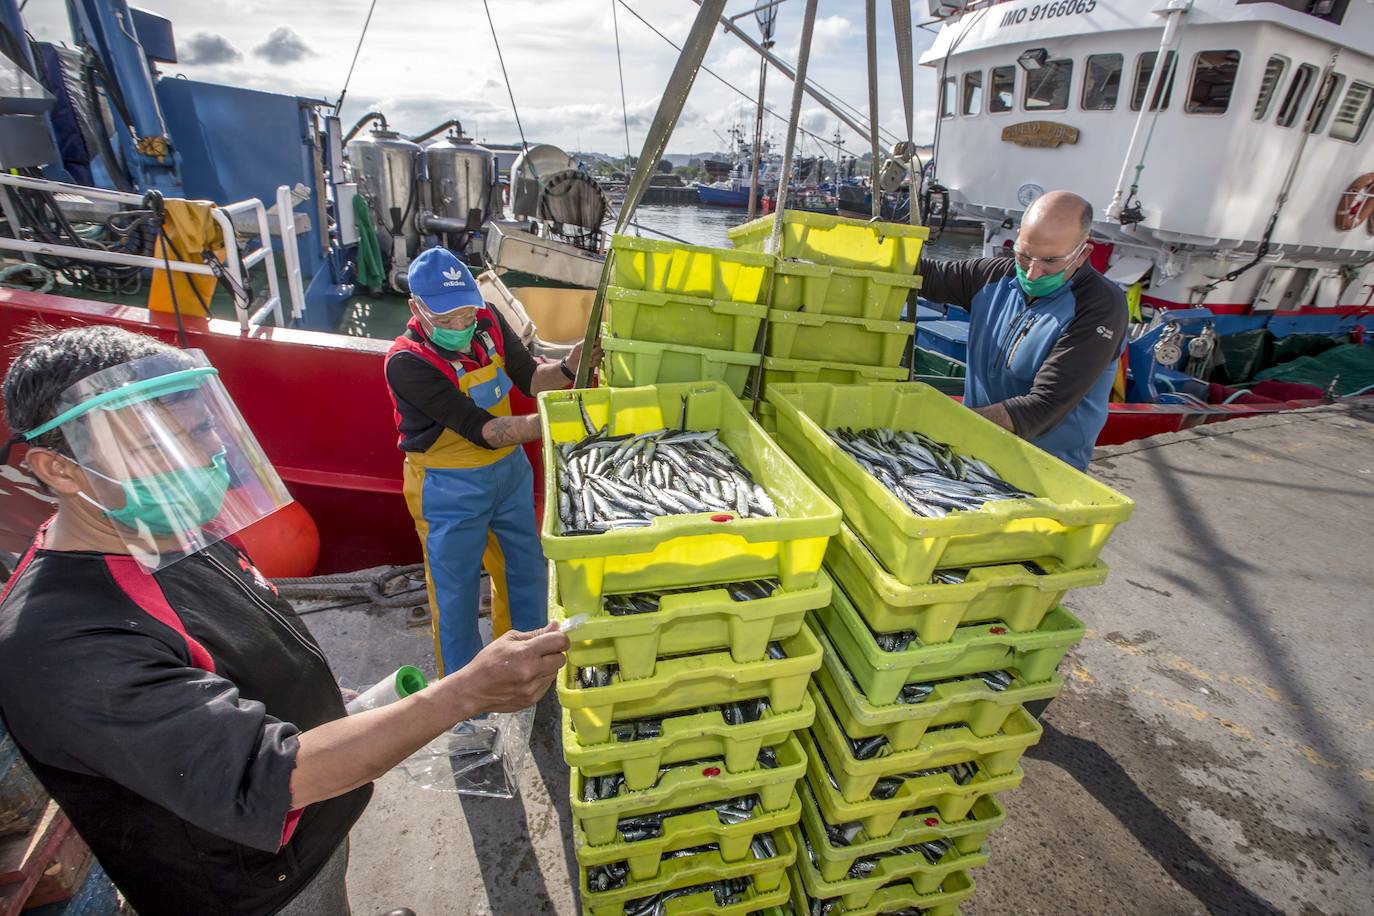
(1040, 286)
(453, 340)
(171, 501)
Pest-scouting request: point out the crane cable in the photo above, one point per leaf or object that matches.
(624, 109)
(524, 145)
(338, 106)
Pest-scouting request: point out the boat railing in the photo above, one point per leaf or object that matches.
(248, 217)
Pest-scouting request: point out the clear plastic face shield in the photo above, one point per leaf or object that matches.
(167, 456)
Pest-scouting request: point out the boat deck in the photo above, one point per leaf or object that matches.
(1213, 751)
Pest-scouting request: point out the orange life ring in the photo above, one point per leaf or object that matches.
(1356, 204)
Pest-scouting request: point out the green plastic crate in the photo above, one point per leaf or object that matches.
(635, 363)
(997, 753)
(716, 324)
(691, 783)
(842, 291)
(681, 550)
(967, 702)
(928, 362)
(690, 681)
(900, 896)
(833, 862)
(1010, 593)
(790, 371)
(686, 622)
(865, 341)
(974, 648)
(1069, 518)
(694, 736)
(690, 270)
(766, 876)
(684, 831)
(839, 241)
(879, 817)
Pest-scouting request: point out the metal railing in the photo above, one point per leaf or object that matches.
(236, 268)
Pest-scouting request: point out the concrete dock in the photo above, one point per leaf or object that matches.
(1213, 750)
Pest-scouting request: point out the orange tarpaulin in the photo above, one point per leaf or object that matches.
(191, 228)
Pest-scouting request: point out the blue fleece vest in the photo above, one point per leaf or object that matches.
(1008, 342)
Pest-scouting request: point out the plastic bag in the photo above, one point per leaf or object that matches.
(481, 756)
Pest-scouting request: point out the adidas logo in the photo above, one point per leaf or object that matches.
(454, 277)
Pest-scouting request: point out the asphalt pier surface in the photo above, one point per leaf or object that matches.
(1213, 750)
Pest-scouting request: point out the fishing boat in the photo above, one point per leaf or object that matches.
(733, 190)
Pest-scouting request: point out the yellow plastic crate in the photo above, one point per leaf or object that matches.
(843, 291)
(975, 648)
(900, 896)
(682, 550)
(694, 736)
(961, 702)
(864, 341)
(685, 830)
(1010, 593)
(997, 753)
(716, 324)
(686, 622)
(768, 415)
(833, 862)
(690, 270)
(840, 241)
(1069, 518)
(766, 876)
(778, 371)
(879, 817)
(635, 363)
(690, 681)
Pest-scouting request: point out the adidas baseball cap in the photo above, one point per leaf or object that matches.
(442, 283)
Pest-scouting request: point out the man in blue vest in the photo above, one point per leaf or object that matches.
(1046, 329)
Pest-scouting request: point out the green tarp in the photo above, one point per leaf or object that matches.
(1353, 363)
(369, 258)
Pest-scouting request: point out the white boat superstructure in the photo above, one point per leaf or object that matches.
(1259, 125)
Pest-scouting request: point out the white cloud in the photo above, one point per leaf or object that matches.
(208, 49)
(283, 46)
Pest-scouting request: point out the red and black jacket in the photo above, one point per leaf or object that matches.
(162, 713)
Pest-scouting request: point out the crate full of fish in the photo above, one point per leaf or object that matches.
(671, 486)
(927, 483)
(838, 241)
(1018, 594)
(639, 748)
(952, 791)
(982, 702)
(633, 630)
(608, 890)
(862, 765)
(862, 341)
(846, 292)
(597, 696)
(689, 270)
(899, 897)
(721, 897)
(716, 324)
(635, 363)
(777, 371)
(884, 664)
(838, 851)
(642, 843)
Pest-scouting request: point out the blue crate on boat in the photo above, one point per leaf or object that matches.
(947, 337)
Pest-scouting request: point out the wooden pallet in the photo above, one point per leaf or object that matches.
(46, 865)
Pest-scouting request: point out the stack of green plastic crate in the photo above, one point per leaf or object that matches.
(838, 290)
(680, 721)
(939, 632)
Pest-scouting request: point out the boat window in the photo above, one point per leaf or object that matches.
(1273, 72)
(947, 98)
(1214, 78)
(1325, 101)
(973, 93)
(1002, 88)
(1353, 115)
(1101, 81)
(1293, 101)
(1144, 69)
(1047, 88)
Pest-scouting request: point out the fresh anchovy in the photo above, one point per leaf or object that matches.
(648, 602)
(727, 892)
(597, 675)
(915, 693)
(776, 651)
(607, 877)
(895, 642)
(843, 834)
(768, 758)
(649, 826)
(949, 576)
(867, 748)
(997, 680)
(929, 477)
(602, 787)
(627, 481)
(961, 773)
(763, 846)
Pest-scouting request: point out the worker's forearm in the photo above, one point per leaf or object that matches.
(339, 756)
(998, 414)
(500, 432)
(548, 377)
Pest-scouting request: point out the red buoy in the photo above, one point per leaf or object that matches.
(285, 544)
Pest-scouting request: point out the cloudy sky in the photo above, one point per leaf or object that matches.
(424, 61)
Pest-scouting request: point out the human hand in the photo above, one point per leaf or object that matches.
(515, 670)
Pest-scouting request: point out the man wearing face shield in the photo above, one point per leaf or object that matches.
(174, 706)
(468, 483)
(1046, 329)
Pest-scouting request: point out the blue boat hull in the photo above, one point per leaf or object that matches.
(721, 197)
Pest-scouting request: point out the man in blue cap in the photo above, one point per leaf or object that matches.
(468, 483)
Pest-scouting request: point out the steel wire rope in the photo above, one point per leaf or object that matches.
(338, 106)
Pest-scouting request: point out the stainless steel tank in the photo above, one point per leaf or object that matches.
(387, 169)
(461, 176)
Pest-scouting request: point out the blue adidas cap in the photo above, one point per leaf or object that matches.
(442, 282)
